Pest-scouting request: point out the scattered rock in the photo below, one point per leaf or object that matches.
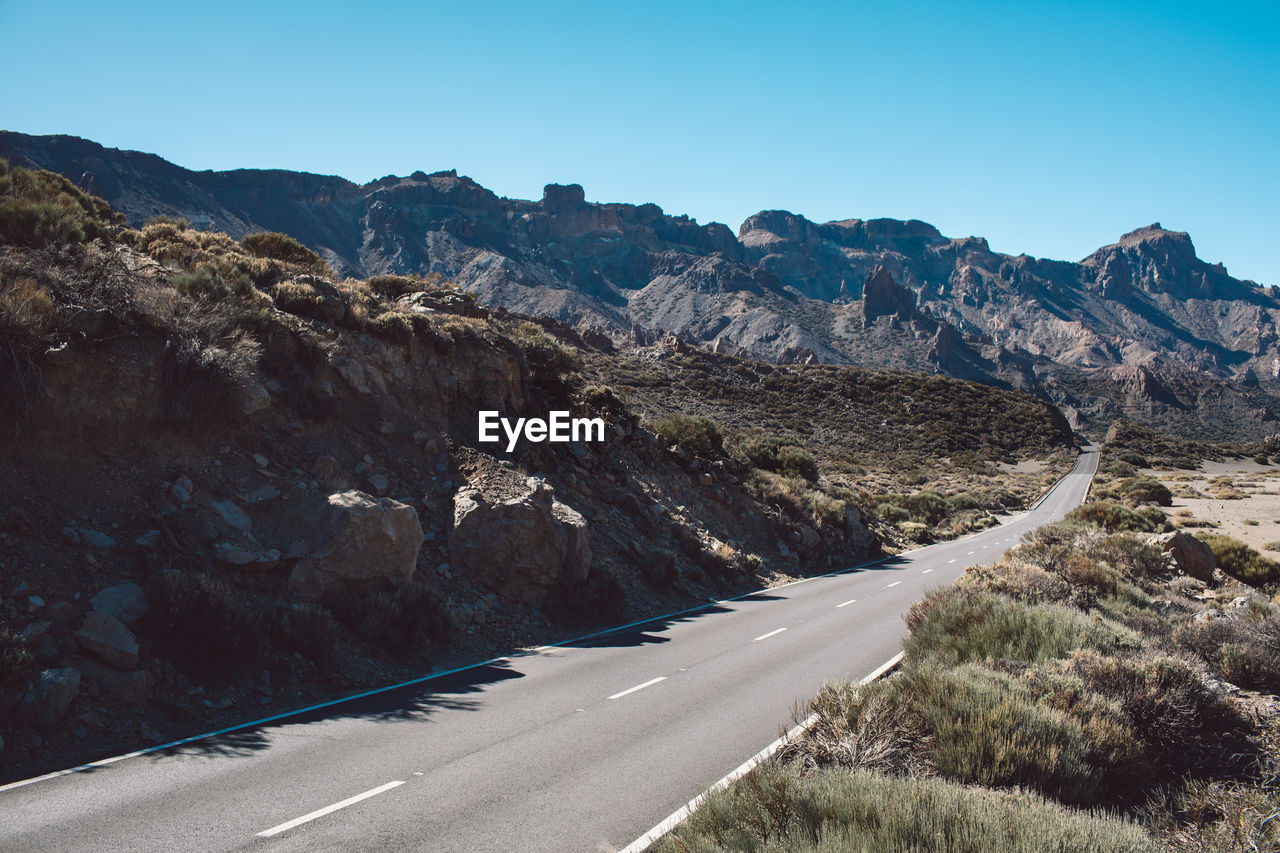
(1190, 555)
(378, 483)
(521, 547)
(148, 540)
(262, 494)
(34, 603)
(260, 460)
(367, 540)
(50, 696)
(105, 637)
(127, 602)
(34, 632)
(236, 555)
(231, 515)
(181, 490)
(96, 539)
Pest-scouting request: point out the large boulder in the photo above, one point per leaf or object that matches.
(127, 602)
(1190, 555)
(365, 541)
(106, 638)
(521, 547)
(49, 697)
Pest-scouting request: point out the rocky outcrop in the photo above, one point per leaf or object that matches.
(364, 541)
(882, 296)
(1190, 556)
(522, 547)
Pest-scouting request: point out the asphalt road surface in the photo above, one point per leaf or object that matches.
(579, 747)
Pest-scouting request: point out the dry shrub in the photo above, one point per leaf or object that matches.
(775, 809)
(861, 729)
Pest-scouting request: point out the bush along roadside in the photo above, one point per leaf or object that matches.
(1087, 692)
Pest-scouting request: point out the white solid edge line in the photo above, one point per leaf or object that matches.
(768, 635)
(895, 583)
(103, 762)
(649, 683)
(349, 801)
(847, 603)
(675, 818)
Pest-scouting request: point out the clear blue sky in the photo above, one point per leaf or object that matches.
(1047, 128)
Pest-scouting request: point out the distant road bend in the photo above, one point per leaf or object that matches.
(578, 747)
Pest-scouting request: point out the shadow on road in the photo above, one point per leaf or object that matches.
(413, 702)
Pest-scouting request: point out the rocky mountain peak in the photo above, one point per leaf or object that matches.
(556, 197)
(881, 296)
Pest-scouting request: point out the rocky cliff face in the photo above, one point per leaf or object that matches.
(879, 292)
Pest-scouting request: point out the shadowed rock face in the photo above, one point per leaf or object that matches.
(877, 292)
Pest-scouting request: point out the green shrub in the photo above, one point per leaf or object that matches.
(962, 502)
(39, 208)
(551, 363)
(924, 507)
(775, 808)
(892, 513)
(1112, 517)
(395, 286)
(1147, 490)
(205, 282)
(1243, 653)
(915, 531)
(1240, 561)
(770, 452)
(955, 625)
(1166, 703)
(697, 434)
(282, 247)
(988, 729)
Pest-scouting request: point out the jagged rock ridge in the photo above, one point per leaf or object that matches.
(878, 292)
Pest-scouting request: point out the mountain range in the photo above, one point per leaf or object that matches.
(1141, 329)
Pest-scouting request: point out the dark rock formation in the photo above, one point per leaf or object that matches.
(784, 284)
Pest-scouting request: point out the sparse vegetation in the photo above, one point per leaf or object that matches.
(696, 434)
(1242, 562)
(39, 208)
(1054, 671)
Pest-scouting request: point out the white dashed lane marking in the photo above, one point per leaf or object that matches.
(649, 683)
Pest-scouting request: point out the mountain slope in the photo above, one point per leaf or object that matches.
(1142, 328)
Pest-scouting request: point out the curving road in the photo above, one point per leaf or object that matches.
(579, 747)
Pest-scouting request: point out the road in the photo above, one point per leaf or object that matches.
(579, 747)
